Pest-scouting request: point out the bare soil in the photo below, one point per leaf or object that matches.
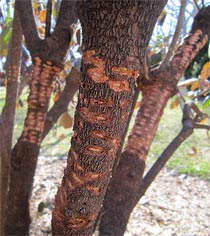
(175, 205)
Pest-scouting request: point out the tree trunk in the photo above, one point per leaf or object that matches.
(25, 153)
(113, 51)
(125, 187)
(8, 115)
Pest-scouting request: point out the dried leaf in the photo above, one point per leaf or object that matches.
(205, 73)
(42, 15)
(41, 30)
(204, 119)
(137, 105)
(175, 103)
(195, 86)
(193, 152)
(66, 120)
(56, 97)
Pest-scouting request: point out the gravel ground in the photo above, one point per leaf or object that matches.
(174, 205)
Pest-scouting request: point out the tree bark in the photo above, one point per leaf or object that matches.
(47, 55)
(114, 50)
(8, 115)
(26, 150)
(60, 106)
(125, 186)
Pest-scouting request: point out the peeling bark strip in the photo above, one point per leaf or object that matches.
(40, 91)
(187, 51)
(25, 153)
(125, 187)
(100, 119)
(155, 96)
(110, 67)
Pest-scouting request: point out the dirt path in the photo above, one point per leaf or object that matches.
(175, 205)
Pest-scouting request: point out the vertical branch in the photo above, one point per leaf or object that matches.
(26, 15)
(26, 150)
(48, 18)
(8, 115)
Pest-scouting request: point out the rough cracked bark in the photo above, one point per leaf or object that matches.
(8, 113)
(125, 187)
(110, 67)
(47, 55)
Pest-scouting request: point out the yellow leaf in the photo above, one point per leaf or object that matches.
(36, 5)
(205, 73)
(4, 52)
(66, 120)
(204, 120)
(175, 103)
(17, 106)
(137, 105)
(62, 75)
(42, 15)
(41, 30)
(56, 97)
(67, 66)
(195, 85)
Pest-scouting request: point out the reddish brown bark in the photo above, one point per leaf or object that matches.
(47, 58)
(110, 67)
(8, 114)
(60, 106)
(190, 114)
(25, 152)
(125, 186)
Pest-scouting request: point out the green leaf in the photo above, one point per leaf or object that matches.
(206, 102)
(4, 40)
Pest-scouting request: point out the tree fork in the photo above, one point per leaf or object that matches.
(125, 192)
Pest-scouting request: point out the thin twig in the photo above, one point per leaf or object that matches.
(196, 5)
(177, 31)
(188, 125)
(200, 126)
